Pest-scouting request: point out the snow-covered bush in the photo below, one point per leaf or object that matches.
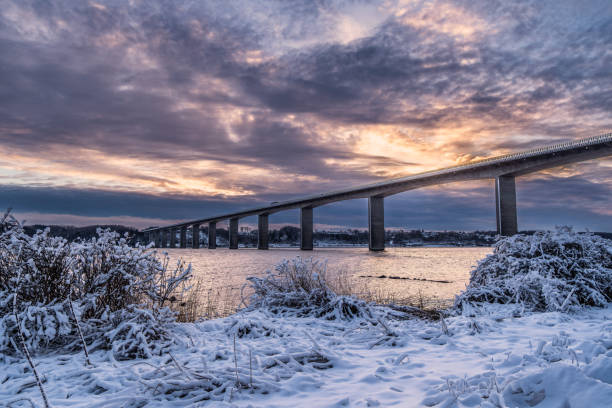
(118, 293)
(299, 287)
(43, 261)
(138, 332)
(548, 271)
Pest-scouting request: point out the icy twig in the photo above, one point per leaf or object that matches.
(157, 368)
(388, 331)
(180, 367)
(250, 369)
(6, 215)
(314, 342)
(401, 358)
(567, 300)
(444, 326)
(236, 362)
(10, 403)
(574, 357)
(25, 347)
(76, 320)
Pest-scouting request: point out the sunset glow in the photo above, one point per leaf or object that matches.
(162, 111)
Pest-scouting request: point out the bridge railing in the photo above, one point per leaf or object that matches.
(605, 138)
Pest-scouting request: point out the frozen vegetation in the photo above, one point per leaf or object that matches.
(533, 328)
(101, 292)
(550, 271)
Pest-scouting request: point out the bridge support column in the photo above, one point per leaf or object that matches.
(376, 223)
(262, 231)
(233, 233)
(212, 235)
(157, 238)
(183, 238)
(164, 238)
(195, 236)
(505, 205)
(172, 237)
(306, 229)
(147, 238)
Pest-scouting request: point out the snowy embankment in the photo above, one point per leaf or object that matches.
(547, 342)
(494, 359)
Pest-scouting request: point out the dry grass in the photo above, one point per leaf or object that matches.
(203, 303)
(420, 301)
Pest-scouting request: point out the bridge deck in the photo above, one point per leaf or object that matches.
(511, 164)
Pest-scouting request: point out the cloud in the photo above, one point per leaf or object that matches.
(246, 102)
(542, 202)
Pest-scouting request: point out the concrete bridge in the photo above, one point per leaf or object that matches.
(504, 169)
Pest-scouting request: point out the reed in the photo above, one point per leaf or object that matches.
(204, 303)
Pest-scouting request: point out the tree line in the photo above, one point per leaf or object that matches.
(290, 235)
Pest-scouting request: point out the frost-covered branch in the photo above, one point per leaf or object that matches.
(549, 271)
(81, 292)
(299, 287)
(25, 347)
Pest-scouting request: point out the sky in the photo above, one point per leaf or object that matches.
(151, 112)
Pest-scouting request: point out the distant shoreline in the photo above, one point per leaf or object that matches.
(346, 246)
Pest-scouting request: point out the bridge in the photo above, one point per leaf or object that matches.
(503, 169)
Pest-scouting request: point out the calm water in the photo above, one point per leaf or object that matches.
(419, 267)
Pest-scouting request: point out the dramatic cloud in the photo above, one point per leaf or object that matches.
(166, 110)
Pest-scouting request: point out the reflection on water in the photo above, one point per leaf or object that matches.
(419, 268)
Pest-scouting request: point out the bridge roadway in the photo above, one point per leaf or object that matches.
(504, 169)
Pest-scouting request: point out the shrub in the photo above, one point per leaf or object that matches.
(548, 271)
(118, 293)
(299, 287)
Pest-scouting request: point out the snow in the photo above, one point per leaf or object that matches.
(491, 357)
(299, 343)
(549, 271)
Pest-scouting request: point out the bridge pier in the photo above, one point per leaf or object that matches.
(212, 235)
(195, 236)
(505, 205)
(163, 237)
(233, 233)
(306, 229)
(376, 223)
(172, 237)
(262, 231)
(183, 237)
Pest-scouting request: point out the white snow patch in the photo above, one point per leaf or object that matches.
(492, 359)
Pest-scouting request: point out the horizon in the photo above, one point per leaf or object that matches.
(317, 229)
(149, 113)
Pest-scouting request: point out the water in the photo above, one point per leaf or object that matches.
(419, 268)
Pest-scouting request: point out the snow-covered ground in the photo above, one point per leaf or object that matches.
(299, 343)
(497, 357)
